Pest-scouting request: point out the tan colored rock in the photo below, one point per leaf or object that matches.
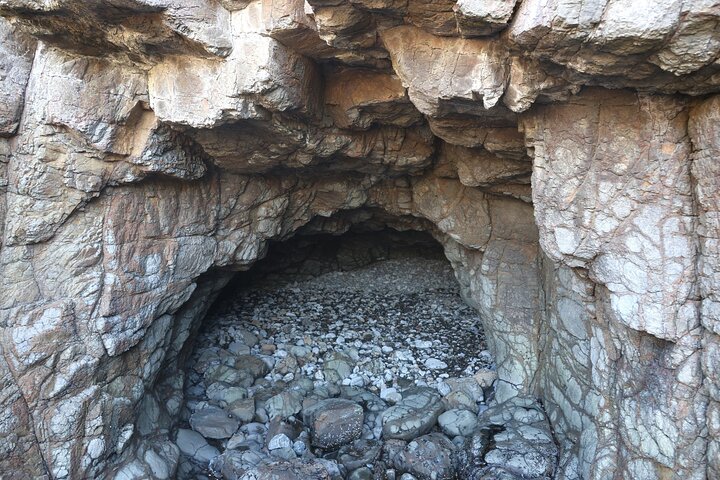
(207, 93)
(359, 99)
(505, 142)
(695, 43)
(703, 131)
(151, 148)
(459, 211)
(479, 17)
(479, 168)
(421, 61)
(139, 28)
(528, 81)
(601, 240)
(16, 54)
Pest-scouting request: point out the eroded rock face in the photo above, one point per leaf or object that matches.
(146, 145)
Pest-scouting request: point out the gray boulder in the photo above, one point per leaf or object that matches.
(430, 457)
(414, 415)
(214, 422)
(457, 422)
(334, 422)
(195, 446)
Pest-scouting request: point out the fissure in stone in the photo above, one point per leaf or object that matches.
(519, 198)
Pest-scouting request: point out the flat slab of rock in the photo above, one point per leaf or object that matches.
(284, 404)
(214, 422)
(334, 422)
(195, 446)
(414, 415)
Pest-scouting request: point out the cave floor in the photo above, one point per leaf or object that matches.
(398, 322)
(378, 372)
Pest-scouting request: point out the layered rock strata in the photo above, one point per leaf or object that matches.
(563, 153)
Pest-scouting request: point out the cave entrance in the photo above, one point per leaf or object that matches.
(329, 353)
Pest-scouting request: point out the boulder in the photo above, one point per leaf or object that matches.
(334, 422)
(214, 422)
(430, 457)
(414, 415)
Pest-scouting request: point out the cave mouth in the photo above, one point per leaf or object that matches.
(343, 356)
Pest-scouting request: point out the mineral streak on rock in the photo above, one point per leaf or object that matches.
(564, 154)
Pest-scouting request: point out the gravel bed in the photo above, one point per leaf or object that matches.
(375, 373)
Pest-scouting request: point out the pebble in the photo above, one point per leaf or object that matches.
(435, 364)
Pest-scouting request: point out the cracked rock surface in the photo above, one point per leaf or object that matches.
(562, 152)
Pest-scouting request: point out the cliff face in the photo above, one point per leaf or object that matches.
(564, 153)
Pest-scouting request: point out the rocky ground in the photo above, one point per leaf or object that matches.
(380, 372)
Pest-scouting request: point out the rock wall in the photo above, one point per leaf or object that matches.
(563, 153)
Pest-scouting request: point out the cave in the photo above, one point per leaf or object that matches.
(357, 317)
(360, 310)
(173, 171)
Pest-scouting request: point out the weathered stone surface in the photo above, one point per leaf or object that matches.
(428, 457)
(359, 453)
(512, 440)
(334, 422)
(705, 139)
(213, 422)
(457, 422)
(634, 263)
(148, 144)
(359, 99)
(476, 84)
(415, 415)
(16, 52)
(478, 17)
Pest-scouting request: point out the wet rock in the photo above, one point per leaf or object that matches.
(460, 400)
(233, 464)
(228, 375)
(512, 438)
(362, 473)
(291, 428)
(430, 457)
(334, 422)
(225, 393)
(337, 368)
(279, 441)
(290, 470)
(390, 395)
(414, 415)
(467, 385)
